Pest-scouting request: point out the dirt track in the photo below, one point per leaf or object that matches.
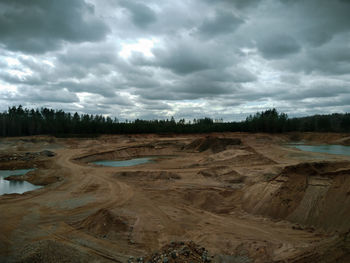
(257, 201)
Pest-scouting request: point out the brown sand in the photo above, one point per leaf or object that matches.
(242, 197)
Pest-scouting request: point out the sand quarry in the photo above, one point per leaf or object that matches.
(229, 197)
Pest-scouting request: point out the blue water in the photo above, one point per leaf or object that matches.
(124, 163)
(11, 187)
(332, 149)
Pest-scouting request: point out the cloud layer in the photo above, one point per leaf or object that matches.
(188, 59)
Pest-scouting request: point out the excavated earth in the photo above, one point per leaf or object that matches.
(229, 197)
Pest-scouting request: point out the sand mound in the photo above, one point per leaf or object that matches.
(227, 155)
(149, 175)
(307, 193)
(238, 159)
(344, 141)
(223, 173)
(323, 168)
(212, 200)
(212, 143)
(103, 223)
(184, 252)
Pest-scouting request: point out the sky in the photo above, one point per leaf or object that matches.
(187, 58)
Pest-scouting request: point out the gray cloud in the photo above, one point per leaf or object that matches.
(290, 79)
(203, 58)
(222, 23)
(278, 46)
(141, 14)
(182, 60)
(39, 26)
(320, 20)
(331, 58)
(316, 91)
(43, 96)
(240, 4)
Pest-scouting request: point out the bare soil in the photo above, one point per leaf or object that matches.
(230, 197)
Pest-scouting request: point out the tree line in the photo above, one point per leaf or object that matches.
(19, 121)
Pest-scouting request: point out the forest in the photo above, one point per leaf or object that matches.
(19, 121)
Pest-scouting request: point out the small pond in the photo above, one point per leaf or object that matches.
(332, 149)
(125, 163)
(12, 187)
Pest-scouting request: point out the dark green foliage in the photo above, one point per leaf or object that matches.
(17, 121)
(267, 121)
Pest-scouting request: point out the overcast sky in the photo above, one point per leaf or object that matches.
(186, 58)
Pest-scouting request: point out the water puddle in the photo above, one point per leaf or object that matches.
(15, 187)
(331, 149)
(125, 163)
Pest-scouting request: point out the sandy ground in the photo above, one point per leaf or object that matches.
(254, 201)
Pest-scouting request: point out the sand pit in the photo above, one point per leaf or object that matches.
(241, 197)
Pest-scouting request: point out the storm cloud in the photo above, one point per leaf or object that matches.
(39, 26)
(187, 59)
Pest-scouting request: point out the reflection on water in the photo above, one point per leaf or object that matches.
(11, 187)
(332, 149)
(124, 163)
